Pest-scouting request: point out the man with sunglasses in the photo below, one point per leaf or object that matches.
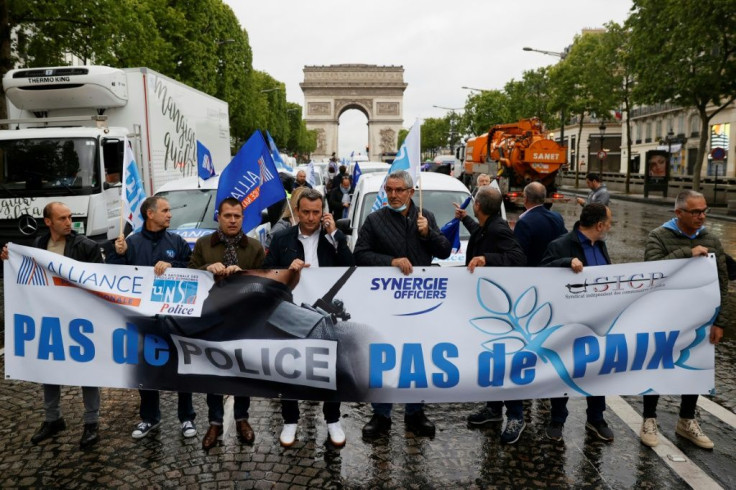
(685, 236)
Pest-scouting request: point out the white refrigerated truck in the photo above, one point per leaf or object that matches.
(64, 142)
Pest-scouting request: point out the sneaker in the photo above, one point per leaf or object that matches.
(600, 429)
(649, 435)
(143, 428)
(485, 415)
(377, 425)
(513, 430)
(336, 434)
(188, 429)
(419, 424)
(288, 435)
(48, 429)
(554, 431)
(690, 430)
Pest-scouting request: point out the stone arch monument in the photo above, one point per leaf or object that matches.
(376, 91)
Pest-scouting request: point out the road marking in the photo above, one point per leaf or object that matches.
(718, 411)
(685, 469)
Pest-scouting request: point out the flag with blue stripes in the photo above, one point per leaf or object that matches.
(205, 167)
(31, 273)
(407, 159)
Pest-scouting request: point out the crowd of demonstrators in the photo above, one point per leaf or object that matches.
(301, 180)
(154, 246)
(288, 216)
(227, 251)
(339, 198)
(313, 242)
(404, 236)
(399, 235)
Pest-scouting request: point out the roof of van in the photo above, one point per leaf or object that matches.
(430, 181)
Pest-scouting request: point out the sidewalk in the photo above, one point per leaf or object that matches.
(654, 198)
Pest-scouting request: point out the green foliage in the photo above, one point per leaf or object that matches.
(484, 109)
(529, 97)
(685, 52)
(434, 133)
(402, 136)
(197, 43)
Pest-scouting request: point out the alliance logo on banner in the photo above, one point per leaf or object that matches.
(365, 334)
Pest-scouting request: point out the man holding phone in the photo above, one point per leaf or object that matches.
(314, 242)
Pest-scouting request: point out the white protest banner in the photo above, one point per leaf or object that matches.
(372, 334)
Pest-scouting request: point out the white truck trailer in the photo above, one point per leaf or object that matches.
(64, 142)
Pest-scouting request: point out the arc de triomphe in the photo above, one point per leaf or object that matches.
(376, 91)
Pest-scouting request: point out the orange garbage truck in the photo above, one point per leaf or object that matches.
(517, 153)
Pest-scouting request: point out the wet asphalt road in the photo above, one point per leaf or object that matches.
(457, 457)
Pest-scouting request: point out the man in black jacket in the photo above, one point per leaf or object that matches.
(492, 244)
(62, 240)
(314, 242)
(154, 246)
(584, 246)
(400, 235)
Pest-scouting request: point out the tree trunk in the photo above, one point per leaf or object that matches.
(577, 150)
(704, 135)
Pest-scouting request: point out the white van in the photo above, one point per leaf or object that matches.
(193, 209)
(439, 191)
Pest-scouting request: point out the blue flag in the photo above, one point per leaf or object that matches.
(311, 177)
(280, 164)
(406, 159)
(204, 162)
(356, 174)
(133, 192)
(251, 177)
(451, 229)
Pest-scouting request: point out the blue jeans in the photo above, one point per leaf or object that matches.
(596, 407)
(384, 409)
(514, 408)
(216, 410)
(151, 413)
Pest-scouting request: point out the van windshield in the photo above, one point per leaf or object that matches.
(49, 167)
(191, 208)
(439, 202)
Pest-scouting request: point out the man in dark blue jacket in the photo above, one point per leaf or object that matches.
(584, 246)
(400, 235)
(154, 246)
(313, 242)
(537, 226)
(62, 240)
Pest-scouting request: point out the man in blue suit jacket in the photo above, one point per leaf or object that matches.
(313, 242)
(538, 226)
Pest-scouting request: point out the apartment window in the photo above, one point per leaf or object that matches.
(648, 134)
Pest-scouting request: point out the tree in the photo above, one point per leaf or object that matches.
(685, 53)
(434, 133)
(617, 45)
(483, 110)
(401, 137)
(581, 83)
(529, 97)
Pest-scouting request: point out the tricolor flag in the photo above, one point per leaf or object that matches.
(134, 194)
(407, 159)
(251, 177)
(205, 166)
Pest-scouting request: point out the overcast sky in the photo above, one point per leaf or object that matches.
(442, 44)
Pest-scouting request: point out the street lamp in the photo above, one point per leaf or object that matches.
(220, 42)
(475, 89)
(265, 91)
(562, 56)
(602, 129)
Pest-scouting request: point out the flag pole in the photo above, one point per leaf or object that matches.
(420, 192)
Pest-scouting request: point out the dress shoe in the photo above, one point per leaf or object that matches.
(90, 435)
(245, 431)
(47, 430)
(214, 433)
(377, 425)
(419, 424)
